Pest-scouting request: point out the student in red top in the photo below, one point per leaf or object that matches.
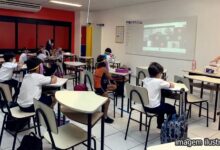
(102, 83)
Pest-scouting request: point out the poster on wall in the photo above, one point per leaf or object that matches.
(119, 36)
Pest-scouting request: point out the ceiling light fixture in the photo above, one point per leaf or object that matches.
(65, 3)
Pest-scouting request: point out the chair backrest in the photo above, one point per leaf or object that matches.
(6, 92)
(88, 78)
(137, 94)
(141, 73)
(179, 79)
(46, 116)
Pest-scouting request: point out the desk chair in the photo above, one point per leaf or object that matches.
(88, 78)
(140, 75)
(192, 99)
(15, 112)
(140, 96)
(63, 137)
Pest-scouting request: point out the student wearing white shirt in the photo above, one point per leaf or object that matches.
(6, 73)
(31, 87)
(108, 53)
(154, 84)
(24, 56)
(41, 54)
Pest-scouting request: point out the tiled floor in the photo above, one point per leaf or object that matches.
(114, 133)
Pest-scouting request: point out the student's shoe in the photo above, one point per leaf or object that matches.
(109, 120)
(158, 127)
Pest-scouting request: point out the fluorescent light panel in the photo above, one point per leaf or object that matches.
(65, 3)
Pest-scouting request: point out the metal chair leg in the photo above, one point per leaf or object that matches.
(114, 105)
(129, 118)
(35, 126)
(140, 125)
(189, 110)
(207, 117)
(94, 141)
(14, 142)
(148, 130)
(3, 124)
(200, 109)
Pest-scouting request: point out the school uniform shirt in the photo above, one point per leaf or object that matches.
(31, 88)
(41, 56)
(23, 57)
(154, 86)
(6, 71)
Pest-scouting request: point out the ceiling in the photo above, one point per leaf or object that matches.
(95, 4)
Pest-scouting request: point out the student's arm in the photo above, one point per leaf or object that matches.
(216, 59)
(108, 75)
(165, 84)
(53, 79)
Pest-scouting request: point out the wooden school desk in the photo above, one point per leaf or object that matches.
(84, 102)
(88, 60)
(61, 83)
(112, 71)
(215, 81)
(69, 55)
(75, 65)
(201, 72)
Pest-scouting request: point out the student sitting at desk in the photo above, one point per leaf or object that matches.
(154, 84)
(6, 72)
(109, 56)
(31, 87)
(24, 56)
(102, 84)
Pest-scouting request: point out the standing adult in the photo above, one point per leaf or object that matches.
(50, 45)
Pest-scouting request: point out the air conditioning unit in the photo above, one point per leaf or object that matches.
(19, 5)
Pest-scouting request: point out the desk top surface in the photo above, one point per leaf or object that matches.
(86, 57)
(68, 54)
(75, 63)
(81, 101)
(146, 68)
(200, 72)
(178, 86)
(204, 78)
(112, 71)
(60, 83)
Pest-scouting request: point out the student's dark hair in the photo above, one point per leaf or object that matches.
(8, 55)
(100, 62)
(154, 69)
(108, 50)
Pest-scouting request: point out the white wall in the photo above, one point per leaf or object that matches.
(208, 30)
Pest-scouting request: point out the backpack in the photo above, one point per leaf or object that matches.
(14, 124)
(31, 142)
(80, 87)
(175, 127)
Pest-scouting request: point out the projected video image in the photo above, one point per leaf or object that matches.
(165, 37)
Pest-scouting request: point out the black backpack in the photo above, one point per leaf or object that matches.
(31, 142)
(14, 124)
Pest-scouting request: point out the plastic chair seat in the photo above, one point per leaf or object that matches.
(68, 136)
(17, 113)
(139, 108)
(80, 117)
(194, 99)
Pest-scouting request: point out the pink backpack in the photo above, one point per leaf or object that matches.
(80, 87)
(122, 70)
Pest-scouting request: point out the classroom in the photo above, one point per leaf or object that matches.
(109, 74)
